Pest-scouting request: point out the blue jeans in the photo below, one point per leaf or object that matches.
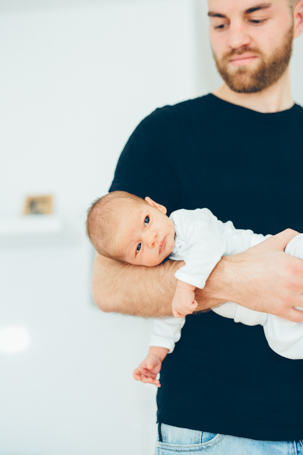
(177, 441)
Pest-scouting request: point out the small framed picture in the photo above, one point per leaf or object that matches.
(38, 205)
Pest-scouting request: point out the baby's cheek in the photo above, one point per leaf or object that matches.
(155, 261)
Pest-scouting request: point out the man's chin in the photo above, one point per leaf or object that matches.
(247, 87)
(242, 81)
(241, 87)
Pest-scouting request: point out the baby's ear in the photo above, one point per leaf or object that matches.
(156, 205)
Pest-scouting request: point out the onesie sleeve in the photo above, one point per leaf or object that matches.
(204, 242)
(238, 240)
(166, 332)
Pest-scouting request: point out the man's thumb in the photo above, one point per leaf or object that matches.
(280, 240)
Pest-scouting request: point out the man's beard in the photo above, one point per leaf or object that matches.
(244, 80)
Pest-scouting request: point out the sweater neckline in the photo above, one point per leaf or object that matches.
(276, 116)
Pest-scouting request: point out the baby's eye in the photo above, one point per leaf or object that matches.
(146, 220)
(138, 248)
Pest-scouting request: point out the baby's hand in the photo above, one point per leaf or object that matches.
(184, 301)
(148, 369)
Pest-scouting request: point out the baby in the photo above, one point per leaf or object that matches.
(126, 228)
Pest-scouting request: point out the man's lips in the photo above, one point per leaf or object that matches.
(161, 246)
(242, 59)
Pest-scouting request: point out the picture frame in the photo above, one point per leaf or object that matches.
(38, 205)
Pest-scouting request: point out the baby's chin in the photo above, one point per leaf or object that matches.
(153, 263)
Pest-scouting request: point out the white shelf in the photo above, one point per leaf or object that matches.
(34, 229)
(30, 225)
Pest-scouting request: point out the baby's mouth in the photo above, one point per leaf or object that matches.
(161, 246)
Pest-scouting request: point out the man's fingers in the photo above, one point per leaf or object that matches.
(294, 315)
(280, 240)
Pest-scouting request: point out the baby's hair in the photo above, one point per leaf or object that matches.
(103, 220)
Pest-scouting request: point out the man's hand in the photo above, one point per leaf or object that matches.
(263, 278)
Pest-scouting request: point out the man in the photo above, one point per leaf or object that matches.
(237, 152)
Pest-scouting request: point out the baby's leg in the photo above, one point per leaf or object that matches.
(238, 241)
(286, 337)
(295, 247)
(239, 313)
(249, 317)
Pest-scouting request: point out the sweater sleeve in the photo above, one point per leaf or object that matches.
(147, 164)
(205, 244)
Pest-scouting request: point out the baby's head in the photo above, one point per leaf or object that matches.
(126, 228)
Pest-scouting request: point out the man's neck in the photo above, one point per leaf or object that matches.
(273, 99)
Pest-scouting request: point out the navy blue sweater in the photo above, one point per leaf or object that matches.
(246, 167)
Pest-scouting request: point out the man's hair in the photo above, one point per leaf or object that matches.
(292, 4)
(103, 221)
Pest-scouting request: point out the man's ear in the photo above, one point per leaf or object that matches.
(156, 205)
(298, 19)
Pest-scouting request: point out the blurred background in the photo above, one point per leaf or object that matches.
(76, 77)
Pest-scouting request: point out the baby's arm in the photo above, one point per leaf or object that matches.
(239, 240)
(205, 245)
(166, 332)
(148, 369)
(202, 246)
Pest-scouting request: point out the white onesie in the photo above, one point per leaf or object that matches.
(201, 240)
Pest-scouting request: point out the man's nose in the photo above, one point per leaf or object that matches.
(238, 36)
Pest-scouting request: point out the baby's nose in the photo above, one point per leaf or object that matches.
(151, 239)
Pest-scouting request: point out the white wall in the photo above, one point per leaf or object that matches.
(75, 79)
(297, 71)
